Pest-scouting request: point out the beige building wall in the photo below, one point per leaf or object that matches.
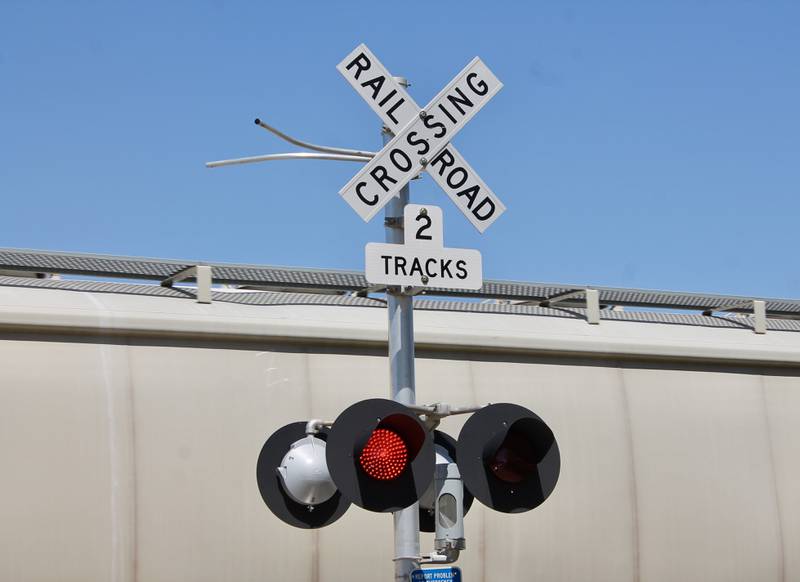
(129, 455)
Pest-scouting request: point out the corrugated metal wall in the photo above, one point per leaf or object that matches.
(134, 460)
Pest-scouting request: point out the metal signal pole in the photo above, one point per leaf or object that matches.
(401, 371)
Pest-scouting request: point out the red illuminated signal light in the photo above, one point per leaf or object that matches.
(380, 455)
(385, 455)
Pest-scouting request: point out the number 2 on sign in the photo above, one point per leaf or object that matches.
(424, 225)
(427, 220)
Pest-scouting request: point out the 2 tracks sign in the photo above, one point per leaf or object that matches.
(423, 261)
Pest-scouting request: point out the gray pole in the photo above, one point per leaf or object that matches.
(401, 372)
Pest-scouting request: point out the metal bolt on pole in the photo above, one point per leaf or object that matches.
(401, 371)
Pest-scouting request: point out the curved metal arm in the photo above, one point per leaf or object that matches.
(313, 147)
(289, 156)
(442, 409)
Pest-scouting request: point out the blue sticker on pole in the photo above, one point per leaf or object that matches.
(449, 574)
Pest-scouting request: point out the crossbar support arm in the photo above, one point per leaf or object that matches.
(286, 156)
(312, 146)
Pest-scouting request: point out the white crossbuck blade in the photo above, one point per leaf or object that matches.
(421, 138)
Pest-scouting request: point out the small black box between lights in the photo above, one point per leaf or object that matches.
(508, 458)
(380, 455)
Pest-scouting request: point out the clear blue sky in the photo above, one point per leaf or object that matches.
(638, 144)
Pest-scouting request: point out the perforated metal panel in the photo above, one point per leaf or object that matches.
(266, 298)
(341, 282)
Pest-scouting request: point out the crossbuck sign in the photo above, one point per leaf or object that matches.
(421, 138)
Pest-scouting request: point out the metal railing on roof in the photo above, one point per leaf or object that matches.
(594, 298)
